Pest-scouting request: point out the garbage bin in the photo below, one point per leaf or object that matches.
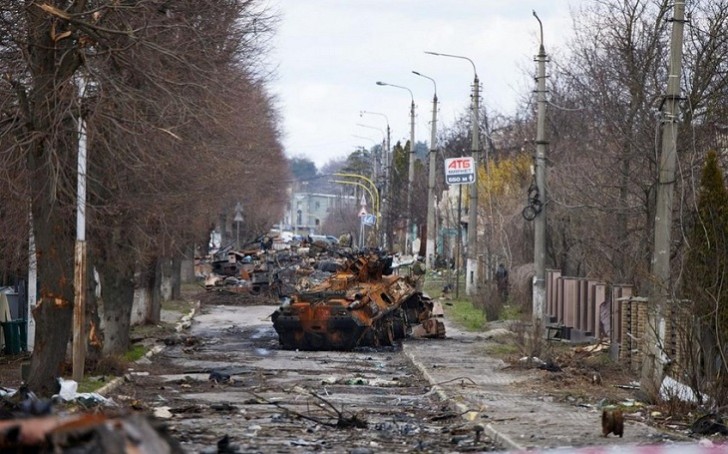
(14, 332)
(14, 304)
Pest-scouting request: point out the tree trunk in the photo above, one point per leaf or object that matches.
(52, 138)
(187, 266)
(54, 313)
(167, 276)
(155, 288)
(117, 299)
(176, 277)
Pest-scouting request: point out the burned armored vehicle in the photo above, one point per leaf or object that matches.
(364, 304)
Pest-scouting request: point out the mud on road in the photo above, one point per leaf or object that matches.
(227, 381)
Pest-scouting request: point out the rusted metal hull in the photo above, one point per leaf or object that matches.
(356, 307)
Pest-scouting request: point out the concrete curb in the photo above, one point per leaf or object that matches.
(498, 437)
(186, 320)
(110, 386)
(184, 323)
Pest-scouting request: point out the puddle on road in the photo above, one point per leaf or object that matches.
(262, 331)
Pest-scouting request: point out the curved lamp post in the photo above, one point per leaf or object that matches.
(411, 176)
(384, 180)
(385, 157)
(377, 157)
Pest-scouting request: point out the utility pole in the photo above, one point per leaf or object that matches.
(385, 190)
(431, 234)
(411, 179)
(471, 266)
(654, 357)
(539, 237)
(460, 241)
(79, 270)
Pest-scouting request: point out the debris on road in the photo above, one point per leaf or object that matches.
(86, 432)
(710, 424)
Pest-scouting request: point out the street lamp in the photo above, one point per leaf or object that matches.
(471, 266)
(377, 157)
(430, 246)
(411, 179)
(384, 137)
(374, 142)
(386, 156)
(384, 180)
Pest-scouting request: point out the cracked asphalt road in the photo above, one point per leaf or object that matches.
(291, 401)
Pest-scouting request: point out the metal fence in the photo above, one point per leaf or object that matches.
(581, 309)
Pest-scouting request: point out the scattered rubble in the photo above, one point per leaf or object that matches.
(31, 424)
(86, 432)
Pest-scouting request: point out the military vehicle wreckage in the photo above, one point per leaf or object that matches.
(363, 305)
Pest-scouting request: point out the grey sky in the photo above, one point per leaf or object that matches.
(330, 53)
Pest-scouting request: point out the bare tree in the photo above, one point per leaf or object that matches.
(165, 137)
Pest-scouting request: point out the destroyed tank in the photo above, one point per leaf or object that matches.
(363, 305)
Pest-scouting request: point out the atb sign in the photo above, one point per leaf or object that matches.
(460, 170)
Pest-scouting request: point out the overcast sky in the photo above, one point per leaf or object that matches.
(329, 54)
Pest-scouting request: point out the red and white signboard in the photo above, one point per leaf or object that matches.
(460, 170)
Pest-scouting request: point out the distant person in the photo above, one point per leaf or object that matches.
(418, 272)
(501, 278)
(346, 240)
(266, 243)
(605, 328)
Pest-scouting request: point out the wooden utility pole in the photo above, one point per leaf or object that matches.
(539, 237)
(654, 354)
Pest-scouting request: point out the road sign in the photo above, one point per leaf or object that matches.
(369, 219)
(449, 231)
(460, 170)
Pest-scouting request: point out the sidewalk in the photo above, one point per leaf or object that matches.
(501, 402)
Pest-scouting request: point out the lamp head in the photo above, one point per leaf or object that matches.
(380, 83)
(415, 72)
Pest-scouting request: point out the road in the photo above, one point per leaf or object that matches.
(291, 401)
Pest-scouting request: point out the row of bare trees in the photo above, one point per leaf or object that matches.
(605, 91)
(604, 129)
(180, 127)
(605, 132)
